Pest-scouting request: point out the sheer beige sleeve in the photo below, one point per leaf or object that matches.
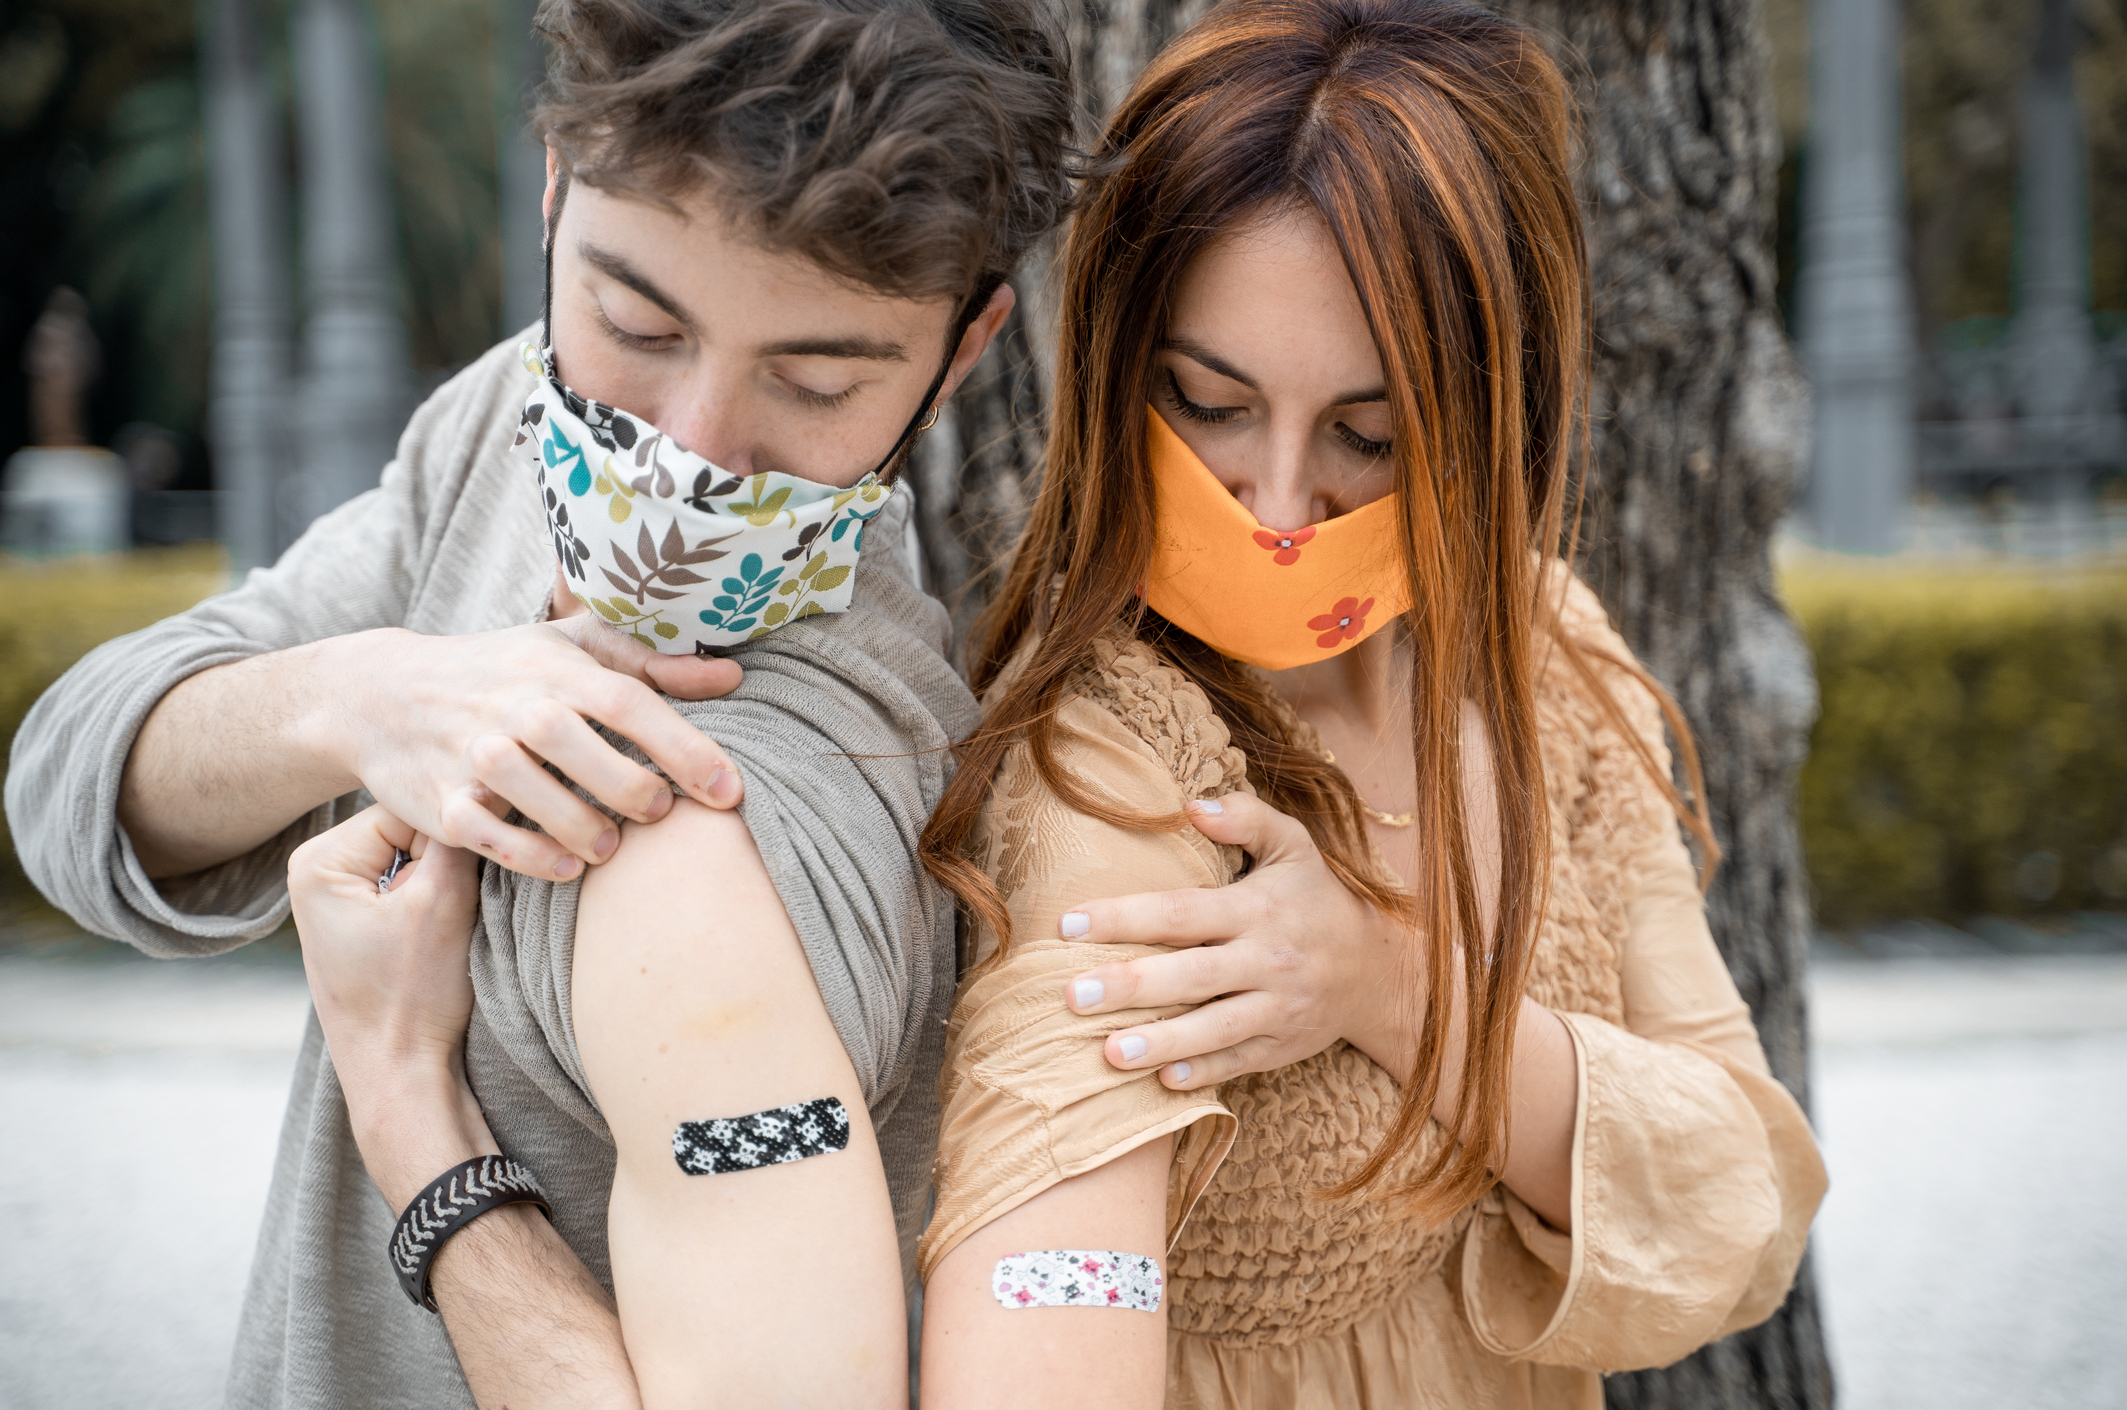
(1029, 1099)
(1695, 1173)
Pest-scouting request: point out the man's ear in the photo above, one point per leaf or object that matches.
(976, 340)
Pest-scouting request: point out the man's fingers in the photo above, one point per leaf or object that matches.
(552, 732)
(693, 677)
(1264, 833)
(502, 766)
(687, 677)
(1187, 917)
(1193, 976)
(1192, 1035)
(689, 758)
(469, 825)
(362, 847)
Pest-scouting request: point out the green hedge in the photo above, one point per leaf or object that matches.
(54, 613)
(1971, 754)
(1971, 757)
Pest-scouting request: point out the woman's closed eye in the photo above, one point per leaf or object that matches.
(1371, 449)
(1196, 411)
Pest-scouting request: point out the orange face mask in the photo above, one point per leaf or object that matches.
(1275, 598)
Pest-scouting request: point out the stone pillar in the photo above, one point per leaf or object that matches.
(355, 385)
(1854, 302)
(520, 67)
(2063, 395)
(248, 420)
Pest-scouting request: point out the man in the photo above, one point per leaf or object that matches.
(778, 234)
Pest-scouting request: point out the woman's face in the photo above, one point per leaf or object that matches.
(1268, 372)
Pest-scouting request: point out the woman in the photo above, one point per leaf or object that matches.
(1518, 1129)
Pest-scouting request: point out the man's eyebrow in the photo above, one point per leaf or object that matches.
(864, 349)
(614, 266)
(1198, 353)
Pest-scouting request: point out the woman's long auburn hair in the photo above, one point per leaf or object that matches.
(1433, 140)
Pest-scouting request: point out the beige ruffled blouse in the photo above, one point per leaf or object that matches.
(1695, 1175)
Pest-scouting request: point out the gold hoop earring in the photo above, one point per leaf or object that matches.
(927, 422)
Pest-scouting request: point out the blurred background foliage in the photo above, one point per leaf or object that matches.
(103, 176)
(1964, 64)
(1970, 758)
(58, 611)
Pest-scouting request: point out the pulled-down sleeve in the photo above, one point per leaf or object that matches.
(1695, 1175)
(1029, 1098)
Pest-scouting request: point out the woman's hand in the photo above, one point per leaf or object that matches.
(389, 974)
(1299, 960)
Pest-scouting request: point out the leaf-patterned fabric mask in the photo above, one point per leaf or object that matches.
(673, 550)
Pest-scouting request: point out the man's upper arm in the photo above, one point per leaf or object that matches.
(778, 1281)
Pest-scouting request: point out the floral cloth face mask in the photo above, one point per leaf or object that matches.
(1275, 598)
(677, 552)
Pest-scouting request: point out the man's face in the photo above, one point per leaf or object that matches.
(753, 359)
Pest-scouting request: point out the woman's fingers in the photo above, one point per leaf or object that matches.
(1191, 976)
(1188, 917)
(1193, 1035)
(1249, 823)
(1258, 1054)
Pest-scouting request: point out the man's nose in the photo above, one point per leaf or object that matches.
(707, 415)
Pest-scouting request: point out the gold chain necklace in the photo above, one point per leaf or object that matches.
(1385, 819)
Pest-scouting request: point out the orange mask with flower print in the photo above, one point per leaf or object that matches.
(1275, 598)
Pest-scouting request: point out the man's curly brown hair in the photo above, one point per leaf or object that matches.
(913, 148)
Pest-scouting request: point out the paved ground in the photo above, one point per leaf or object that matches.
(1973, 1106)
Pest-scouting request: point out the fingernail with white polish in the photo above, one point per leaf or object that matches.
(1208, 805)
(1132, 1048)
(1085, 993)
(1075, 924)
(1181, 1072)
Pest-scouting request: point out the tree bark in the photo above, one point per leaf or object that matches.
(1700, 420)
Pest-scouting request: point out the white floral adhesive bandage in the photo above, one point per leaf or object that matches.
(1077, 1277)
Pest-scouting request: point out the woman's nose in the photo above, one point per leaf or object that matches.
(1281, 498)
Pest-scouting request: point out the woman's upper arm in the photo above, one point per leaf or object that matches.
(1029, 1099)
(977, 1339)
(1043, 1145)
(693, 1002)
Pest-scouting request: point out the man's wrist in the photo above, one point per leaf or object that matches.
(326, 725)
(413, 1123)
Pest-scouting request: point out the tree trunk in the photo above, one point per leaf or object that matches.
(1700, 419)
(1700, 423)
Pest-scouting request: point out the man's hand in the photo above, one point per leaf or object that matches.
(447, 732)
(447, 726)
(388, 972)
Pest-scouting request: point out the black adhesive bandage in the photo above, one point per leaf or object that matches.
(774, 1137)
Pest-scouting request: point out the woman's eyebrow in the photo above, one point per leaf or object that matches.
(615, 266)
(1196, 352)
